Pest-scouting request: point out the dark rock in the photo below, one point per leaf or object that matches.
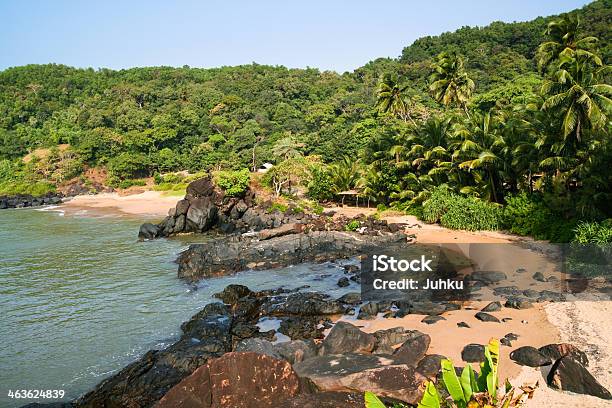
(463, 324)
(368, 311)
(507, 291)
(432, 319)
(241, 380)
(413, 349)
(259, 346)
(557, 351)
(569, 375)
(485, 317)
(302, 304)
(346, 338)
(488, 277)
(352, 298)
(232, 293)
(386, 339)
(303, 327)
(505, 341)
(296, 351)
(550, 296)
(229, 255)
(148, 231)
(512, 336)
(429, 365)
(492, 307)
(518, 303)
(343, 282)
(539, 277)
(473, 353)
(529, 356)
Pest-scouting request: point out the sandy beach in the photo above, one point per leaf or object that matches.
(149, 204)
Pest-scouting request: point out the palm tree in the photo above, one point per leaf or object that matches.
(579, 95)
(563, 39)
(449, 83)
(391, 98)
(287, 147)
(345, 175)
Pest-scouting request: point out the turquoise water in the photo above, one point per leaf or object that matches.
(81, 298)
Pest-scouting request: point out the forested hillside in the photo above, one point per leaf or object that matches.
(495, 114)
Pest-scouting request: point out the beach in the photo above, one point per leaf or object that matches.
(147, 204)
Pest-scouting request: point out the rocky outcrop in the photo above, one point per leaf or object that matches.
(206, 207)
(238, 380)
(25, 200)
(233, 254)
(569, 375)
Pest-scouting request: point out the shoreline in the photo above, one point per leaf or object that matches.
(149, 204)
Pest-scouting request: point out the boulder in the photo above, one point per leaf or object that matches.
(148, 231)
(352, 298)
(413, 349)
(296, 351)
(386, 339)
(569, 375)
(485, 317)
(346, 338)
(529, 356)
(488, 277)
(432, 319)
(518, 303)
(473, 353)
(326, 399)
(429, 365)
(492, 307)
(259, 346)
(557, 351)
(232, 293)
(240, 380)
(343, 282)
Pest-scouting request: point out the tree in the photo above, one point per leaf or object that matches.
(392, 98)
(563, 39)
(449, 83)
(287, 147)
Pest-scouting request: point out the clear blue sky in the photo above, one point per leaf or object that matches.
(327, 34)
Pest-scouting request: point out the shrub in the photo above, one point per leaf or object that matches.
(36, 189)
(277, 207)
(352, 225)
(593, 232)
(321, 187)
(457, 212)
(529, 215)
(234, 183)
(129, 165)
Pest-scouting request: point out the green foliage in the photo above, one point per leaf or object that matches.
(234, 183)
(593, 232)
(36, 189)
(129, 165)
(352, 225)
(277, 207)
(438, 204)
(321, 186)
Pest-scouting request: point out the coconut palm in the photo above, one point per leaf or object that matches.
(563, 39)
(449, 83)
(392, 98)
(287, 147)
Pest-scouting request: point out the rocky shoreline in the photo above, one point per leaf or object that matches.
(228, 356)
(26, 200)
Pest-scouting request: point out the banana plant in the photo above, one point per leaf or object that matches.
(469, 390)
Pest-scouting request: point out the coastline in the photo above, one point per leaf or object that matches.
(148, 204)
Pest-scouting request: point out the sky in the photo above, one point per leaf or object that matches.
(338, 35)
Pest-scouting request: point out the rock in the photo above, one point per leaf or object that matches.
(512, 336)
(296, 351)
(427, 308)
(557, 351)
(343, 282)
(529, 356)
(432, 319)
(488, 277)
(521, 270)
(352, 298)
(259, 346)
(463, 325)
(302, 327)
(363, 372)
(568, 375)
(282, 230)
(386, 339)
(429, 365)
(413, 349)
(473, 353)
(148, 231)
(518, 303)
(539, 277)
(232, 293)
(492, 307)
(346, 338)
(327, 399)
(302, 304)
(241, 380)
(368, 311)
(485, 317)
(229, 255)
(505, 341)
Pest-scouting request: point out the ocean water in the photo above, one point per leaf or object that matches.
(80, 297)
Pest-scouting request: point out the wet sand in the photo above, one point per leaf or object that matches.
(147, 204)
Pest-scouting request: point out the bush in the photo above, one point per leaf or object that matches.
(465, 213)
(234, 183)
(593, 232)
(321, 187)
(129, 165)
(352, 225)
(36, 189)
(529, 215)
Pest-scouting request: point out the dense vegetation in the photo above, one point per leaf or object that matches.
(512, 120)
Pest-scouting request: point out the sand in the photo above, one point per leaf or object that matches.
(152, 204)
